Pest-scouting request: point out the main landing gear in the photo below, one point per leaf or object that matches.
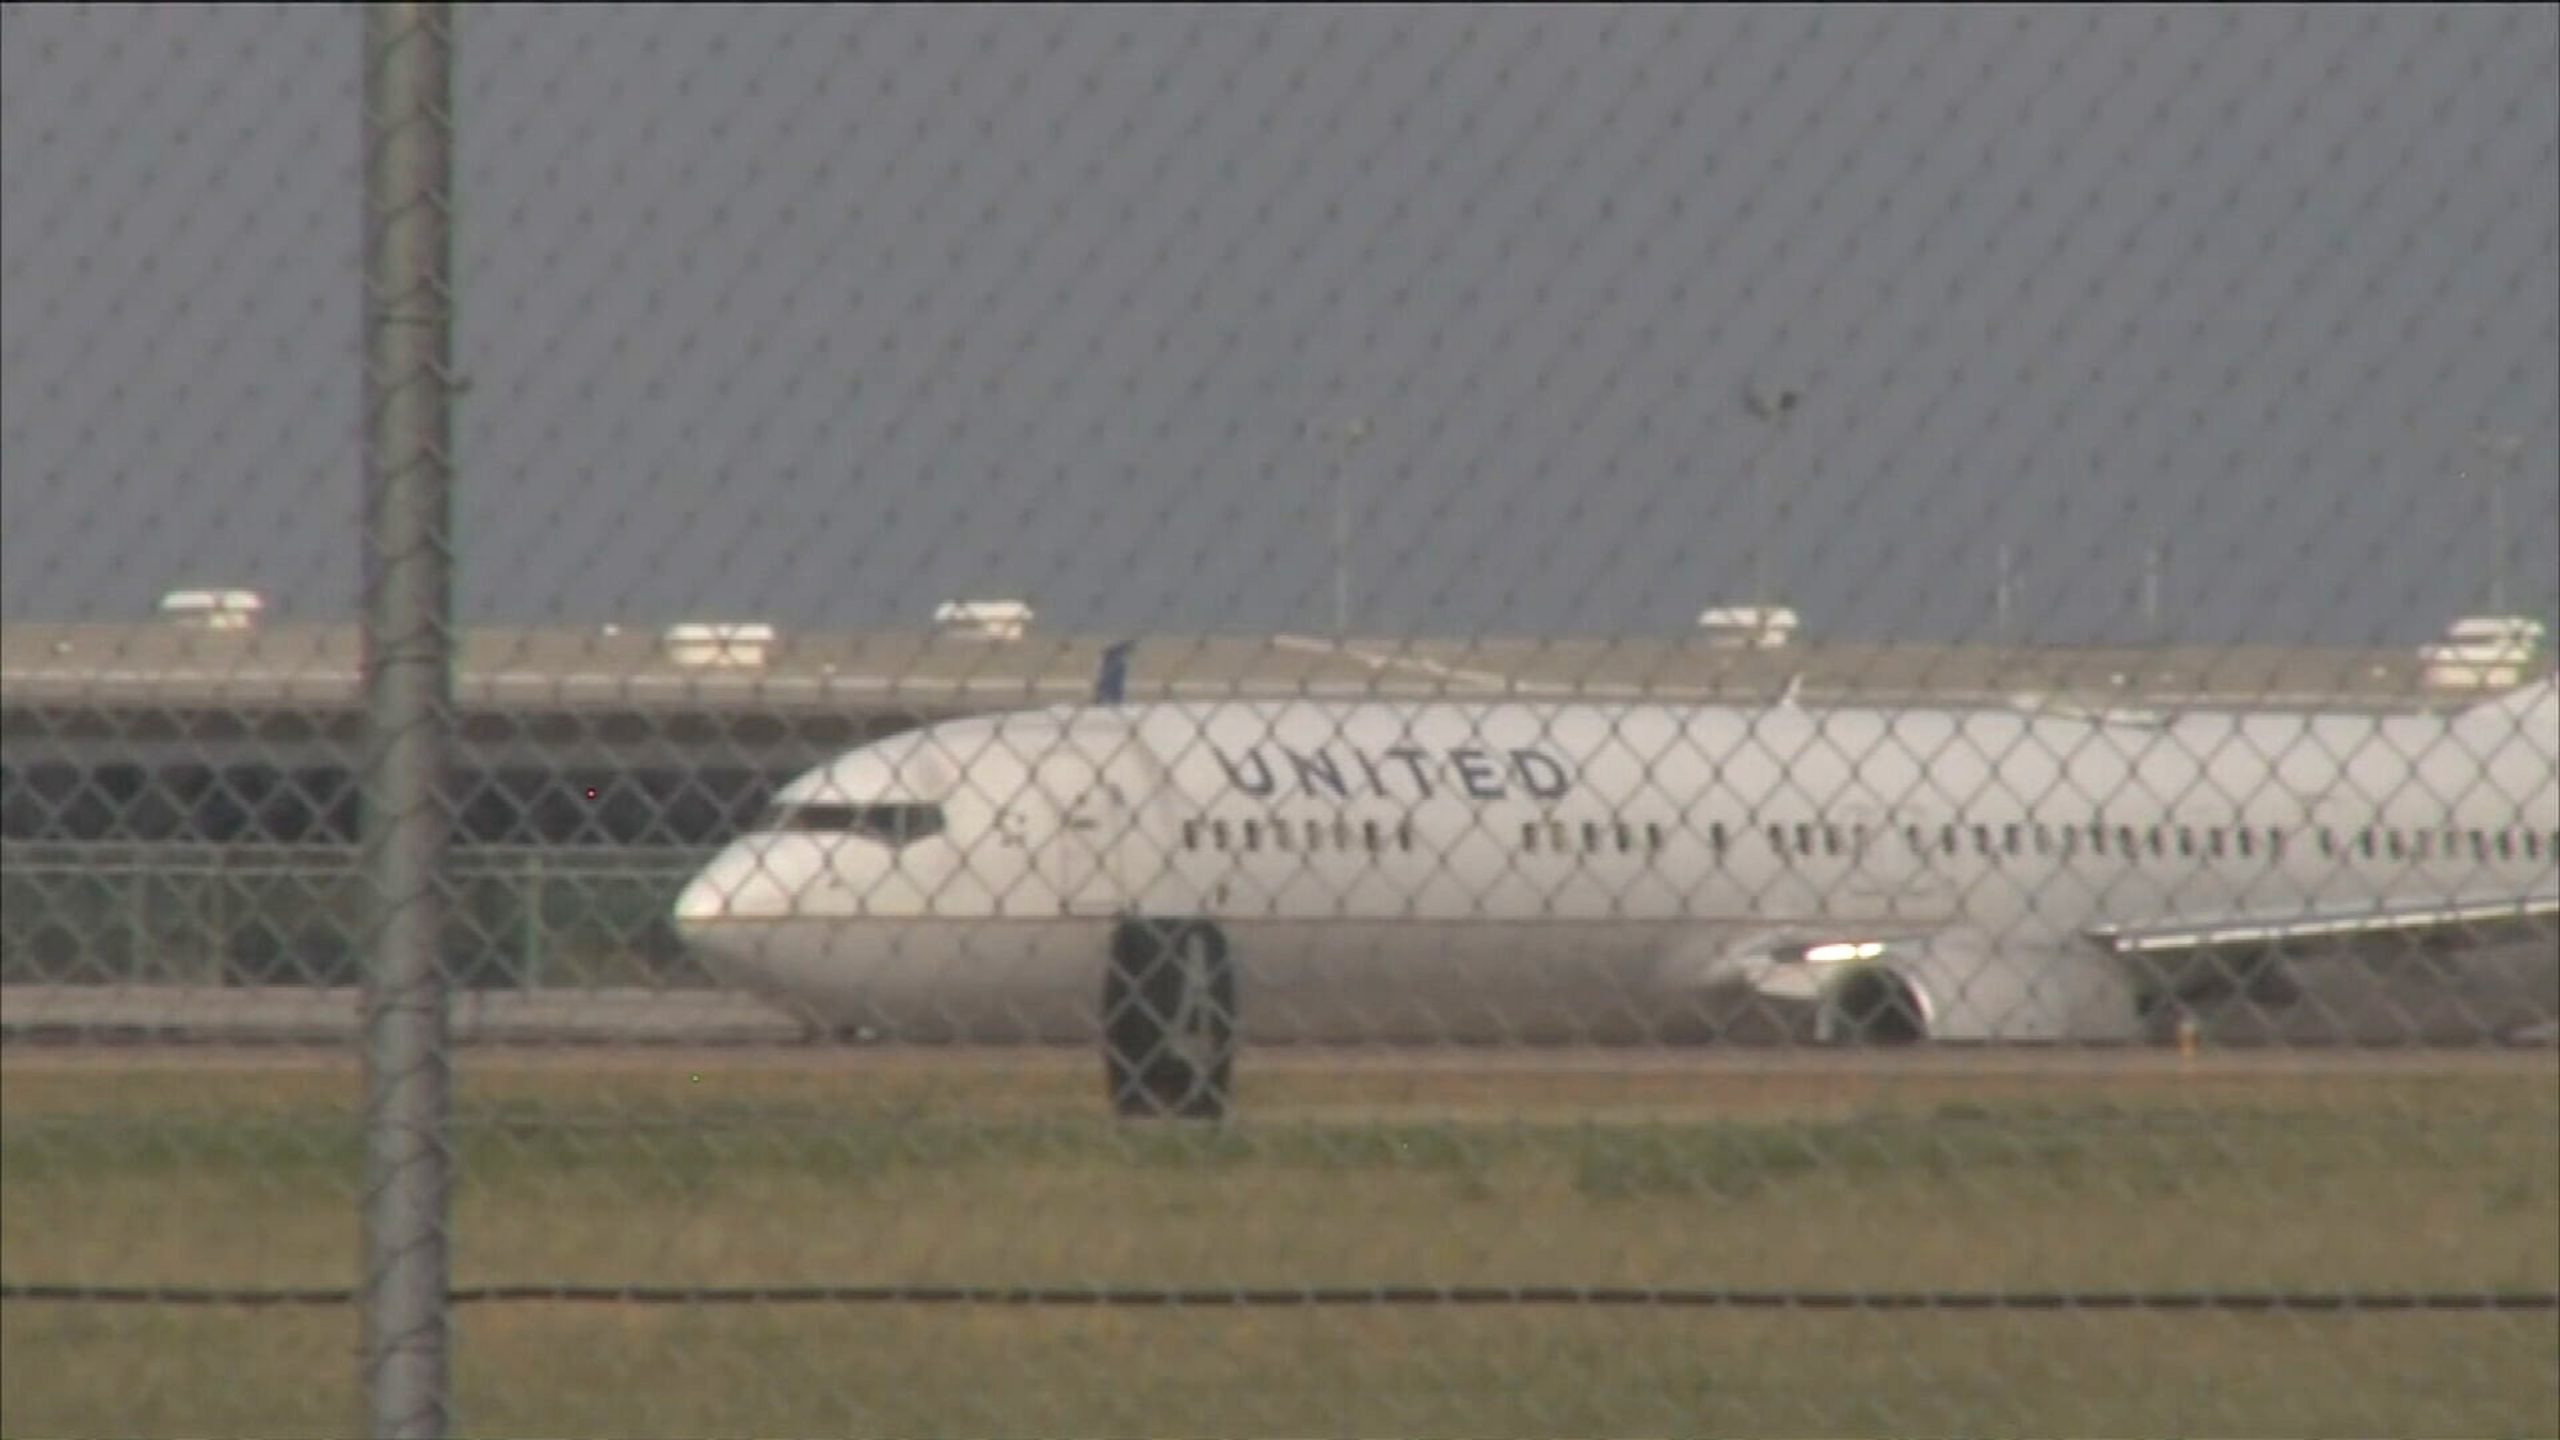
(1169, 1021)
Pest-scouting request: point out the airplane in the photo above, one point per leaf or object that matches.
(1177, 878)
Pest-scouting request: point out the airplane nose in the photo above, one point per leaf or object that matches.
(735, 886)
(698, 903)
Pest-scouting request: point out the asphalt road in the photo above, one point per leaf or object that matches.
(2354, 1018)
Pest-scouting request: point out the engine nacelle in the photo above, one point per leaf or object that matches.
(1873, 1004)
(1949, 985)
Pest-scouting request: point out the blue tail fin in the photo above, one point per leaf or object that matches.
(1111, 685)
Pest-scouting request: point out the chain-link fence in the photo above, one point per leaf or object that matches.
(1378, 720)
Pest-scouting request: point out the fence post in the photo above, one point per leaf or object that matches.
(408, 328)
(535, 930)
(218, 876)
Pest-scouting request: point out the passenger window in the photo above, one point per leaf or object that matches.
(2097, 838)
(1947, 839)
(2328, 842)
(2506, 845)
(1830, 839)
(1281, 833)
(1626, 837)
(2186, 841)
(2010, 838)
(1253, 834)
(1653, 836)
(2399, 851)
(1369, 832)
(2044, 839)
(2213, 841)
(1404, 835)
(1981, 839)
(1717, 837)
(1591, 837)
(1190, 834)
(1804, 838)
(1529, 837)
(1341, 832)
(1218, 833)
(2275, 844)
(1778, 838)
(1315, 834)
(2070, 842)
(2240, 840)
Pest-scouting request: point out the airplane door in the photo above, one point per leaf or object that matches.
(1089, 815)
(1893, 870)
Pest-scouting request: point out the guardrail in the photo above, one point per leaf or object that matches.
(228, 915)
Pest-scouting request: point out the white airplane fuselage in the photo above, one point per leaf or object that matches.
(1475, 872)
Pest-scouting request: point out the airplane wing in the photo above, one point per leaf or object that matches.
(1954, 984)
(2426, 924)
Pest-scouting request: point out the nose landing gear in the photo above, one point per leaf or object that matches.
(1169, 1021)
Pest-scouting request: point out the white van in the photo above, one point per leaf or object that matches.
(1749, 627)
(2483, 652)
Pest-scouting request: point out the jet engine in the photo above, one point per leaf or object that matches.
(1953, 985)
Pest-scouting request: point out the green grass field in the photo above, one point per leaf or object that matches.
(731, 1171)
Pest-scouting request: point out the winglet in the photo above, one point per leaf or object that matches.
(1111, 683)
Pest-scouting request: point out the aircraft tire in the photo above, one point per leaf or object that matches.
(2273, 986)
(1169, 1021)
(1875, 1008)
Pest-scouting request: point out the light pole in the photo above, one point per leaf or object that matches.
(2004, 591)
(2154, 561)
(1770, 406)
(1346, 439)
(2503, 452)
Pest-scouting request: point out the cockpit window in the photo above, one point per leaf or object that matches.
(894, 824)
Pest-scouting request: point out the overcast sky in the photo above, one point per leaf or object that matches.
(822, 315)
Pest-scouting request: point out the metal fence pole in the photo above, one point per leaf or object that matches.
(408, 321)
